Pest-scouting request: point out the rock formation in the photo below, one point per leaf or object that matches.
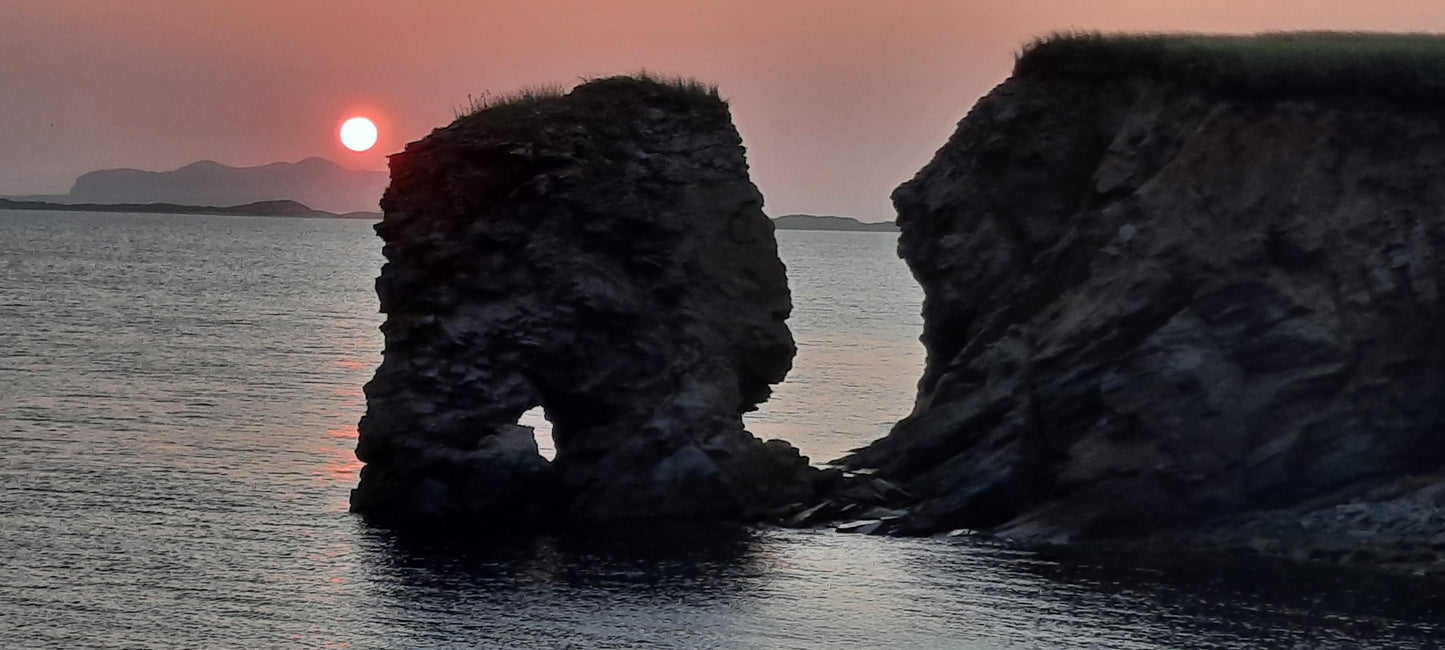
(1156, 306)
(602, 254)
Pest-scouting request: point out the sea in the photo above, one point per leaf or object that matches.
(178, 406)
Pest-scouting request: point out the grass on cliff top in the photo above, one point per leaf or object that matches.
(1402, 67)
(598, 96)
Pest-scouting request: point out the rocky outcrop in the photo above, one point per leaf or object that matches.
(1155, 307)
(601, 254)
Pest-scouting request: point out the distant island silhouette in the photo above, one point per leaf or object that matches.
(816, 222)
(314, 182)
(309, 188)
(274, 208)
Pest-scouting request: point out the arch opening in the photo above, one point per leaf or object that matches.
(536, 417)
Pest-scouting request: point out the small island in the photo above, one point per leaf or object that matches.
(814, 222)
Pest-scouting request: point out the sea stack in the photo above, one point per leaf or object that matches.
(601, 254)
(1186, 288)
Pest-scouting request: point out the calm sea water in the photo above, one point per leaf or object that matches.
(178, 401)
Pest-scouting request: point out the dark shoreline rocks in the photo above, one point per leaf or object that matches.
(1156, 316)
(601, 254)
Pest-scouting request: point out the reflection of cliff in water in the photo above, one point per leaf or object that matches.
(652, 586)
(733, 587)
(1205, 600)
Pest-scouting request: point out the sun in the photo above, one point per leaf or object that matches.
(358, 133)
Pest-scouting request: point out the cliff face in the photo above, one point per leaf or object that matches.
(601, 254)
(1151, 307)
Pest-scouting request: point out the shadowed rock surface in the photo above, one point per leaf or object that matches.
(602, 254)
(1153, 308)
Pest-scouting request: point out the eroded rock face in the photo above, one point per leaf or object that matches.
(1148, 308)
(604, 255)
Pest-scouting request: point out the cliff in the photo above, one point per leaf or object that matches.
(602, 254)
(315, 182)
(1186, 291)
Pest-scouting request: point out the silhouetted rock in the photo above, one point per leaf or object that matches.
(602, 254)
(316, 182)
(1153, 307)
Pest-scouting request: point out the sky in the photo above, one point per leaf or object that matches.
(838, 101)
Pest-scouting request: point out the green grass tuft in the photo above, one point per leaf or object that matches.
(684, 88)
(674, 90)
(530, 95)
(1283, 65)
(616, 100)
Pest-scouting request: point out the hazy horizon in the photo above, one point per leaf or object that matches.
(837, 103)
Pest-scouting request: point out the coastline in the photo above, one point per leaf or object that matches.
(287, 208)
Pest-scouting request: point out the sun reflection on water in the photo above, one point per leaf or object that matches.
(339, 466)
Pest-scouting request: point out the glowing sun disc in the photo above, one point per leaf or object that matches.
(358, 134)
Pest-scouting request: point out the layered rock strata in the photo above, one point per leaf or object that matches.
(1155, 307)
(602, 255)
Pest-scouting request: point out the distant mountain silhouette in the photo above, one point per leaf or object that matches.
(316, 182)
(279, 208)
(814, 222)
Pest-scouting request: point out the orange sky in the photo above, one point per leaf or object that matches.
(838, 101)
